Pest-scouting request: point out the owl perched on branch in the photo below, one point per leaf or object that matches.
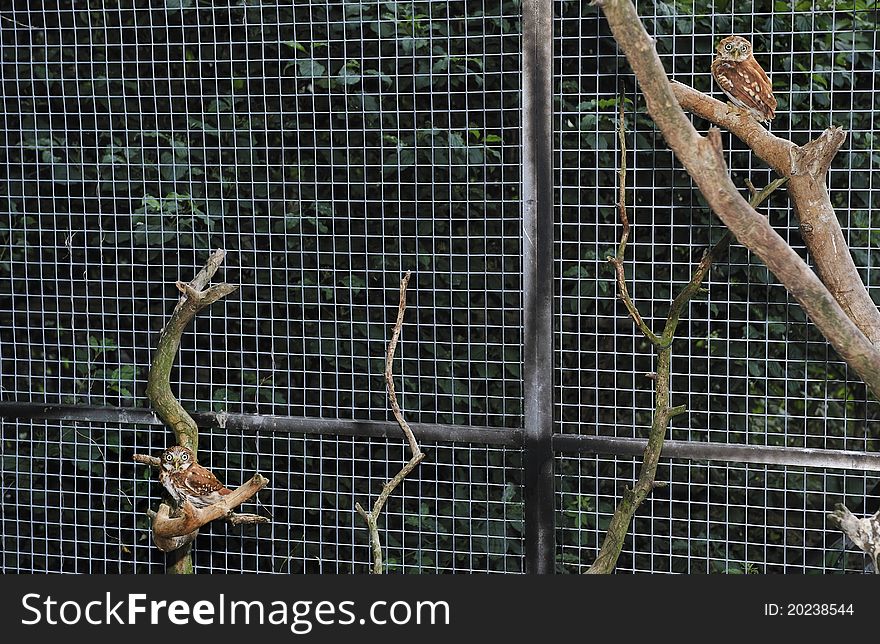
(742, 79)
(186, 479)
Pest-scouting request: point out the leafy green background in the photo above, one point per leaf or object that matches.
(330, 146)
(747, 365)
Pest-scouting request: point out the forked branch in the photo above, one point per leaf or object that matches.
(618, 527)
(806, 168)
(864, 532)
(174, 528)
(175, 533)
(372, 516)
(171, 531)
(194, 297)
(703, 158)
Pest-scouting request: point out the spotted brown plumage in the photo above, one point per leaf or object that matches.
(186, 479)
(743, 80)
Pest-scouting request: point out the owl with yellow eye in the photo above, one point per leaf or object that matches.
(743, 80)
(187, 480)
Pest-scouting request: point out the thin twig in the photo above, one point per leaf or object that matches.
(16, 22)
(715, 253)
(389, 363)
(618, 260)
(372, 516)
(621, 183)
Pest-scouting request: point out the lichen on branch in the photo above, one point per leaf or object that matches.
(194, 297)
(174, 529)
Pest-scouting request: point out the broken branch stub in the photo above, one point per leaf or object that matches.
(864, 532)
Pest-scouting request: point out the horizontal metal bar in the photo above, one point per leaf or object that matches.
(367, 428)
(265, 423)
(700, 451)
(93, 413)
(798, 456)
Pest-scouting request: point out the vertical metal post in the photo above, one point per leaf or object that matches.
(537, 200)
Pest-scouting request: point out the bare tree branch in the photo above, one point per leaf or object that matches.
(389, 363)
(618, 527)
(194, 298)
(864, 532)
(617, 261)
(175, 534)
(168, 528)
(703, 158)
(372, 516)
(806, 168)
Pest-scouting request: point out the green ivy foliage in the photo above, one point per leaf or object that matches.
(748, 366)
(330, 146)
(326, 147)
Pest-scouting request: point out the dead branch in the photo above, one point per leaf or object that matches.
(389, 363)
(169, 526)
(806, 168)
(618, 527)
(146, 459)
(372, 516)
(864, 532)
(176, 533)
(703, 158)
(230, 517)
(617, 260)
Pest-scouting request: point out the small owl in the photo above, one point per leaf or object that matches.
(186, 479)
(742, 79)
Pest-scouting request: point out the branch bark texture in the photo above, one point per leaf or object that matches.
(618, 527)
(170, 532)
(703, 158)
(194, 297)
(371, 517)
(806, 168)
(864, 532)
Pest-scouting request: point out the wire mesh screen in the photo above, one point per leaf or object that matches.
(329, 147)
(326, 146)
(74, 503)
(713, 517)
(746, 363)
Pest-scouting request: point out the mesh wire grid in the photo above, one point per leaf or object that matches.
(330, 146)
(712, 517)
(746, 363)
(74, 502)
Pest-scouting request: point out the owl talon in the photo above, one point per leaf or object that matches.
(738, 111)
